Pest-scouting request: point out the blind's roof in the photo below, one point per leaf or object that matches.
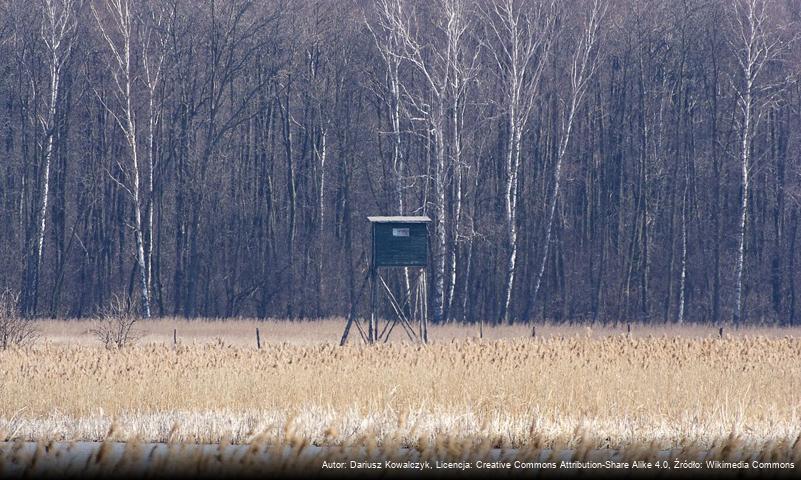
(399, 219)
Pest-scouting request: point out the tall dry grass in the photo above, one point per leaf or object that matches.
(587, 389)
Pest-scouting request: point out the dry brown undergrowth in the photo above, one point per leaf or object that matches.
(14, 330)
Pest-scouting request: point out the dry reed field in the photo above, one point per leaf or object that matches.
(570, 387)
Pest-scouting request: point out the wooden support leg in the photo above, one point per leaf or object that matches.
(352, 319)
(398, 309)
(424, 320)
(373, 300)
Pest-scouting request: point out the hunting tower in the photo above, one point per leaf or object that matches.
(397, 242)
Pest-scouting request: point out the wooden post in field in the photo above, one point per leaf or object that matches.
(174, 338)
(258, 339)
(720, 332)
(533, 331)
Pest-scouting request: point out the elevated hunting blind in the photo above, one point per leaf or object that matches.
(397, 242)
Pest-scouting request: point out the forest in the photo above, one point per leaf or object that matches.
(589, 160)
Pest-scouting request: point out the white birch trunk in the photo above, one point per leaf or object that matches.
(683, 275)
(397, 160)
(745, 160)
(135, 187)
(441, 212)
(512, 170)
(48, 126)
(150, 196)
(456, 119)
(58, 26)
(321, 232)
(121, 70)
(157, 25)
(754, 48)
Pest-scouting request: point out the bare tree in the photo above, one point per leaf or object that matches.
(444, 78)
(116, 23)
(115, 327)
(157, 22)
(583, 64)
(520, 42)
(14, 329)
(463, 62)
(754, 47)
(57, 34)
(389, 44)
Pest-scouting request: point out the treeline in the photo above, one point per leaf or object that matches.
(592, 160)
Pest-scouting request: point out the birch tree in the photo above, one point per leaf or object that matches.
(57, 31)
(519, 42)
(683, 272)
(156, 21)
(462, 61)
(115, 20)
(389, 43)
(754, 46)
(439, 69)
